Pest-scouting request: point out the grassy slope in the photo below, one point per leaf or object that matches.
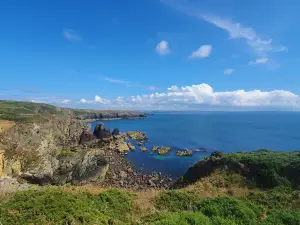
(263, 168)
(29, 111)
(223, 197)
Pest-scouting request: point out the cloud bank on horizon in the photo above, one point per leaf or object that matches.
(201, 96)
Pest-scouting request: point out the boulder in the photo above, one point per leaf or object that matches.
(131, 146)
(116, 132)
(139, 143)
(184, 153)
(101, 132)
(144, 149)
(123, 174)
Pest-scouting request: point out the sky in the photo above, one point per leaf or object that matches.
(152, 54)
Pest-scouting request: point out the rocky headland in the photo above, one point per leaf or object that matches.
(64, 150)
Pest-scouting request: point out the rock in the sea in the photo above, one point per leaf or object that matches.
(115, 132)
(137, 135)
(184, 153)
(161, 150)
(144, 149)
(101, 132)
(131, 146)
(139, 143)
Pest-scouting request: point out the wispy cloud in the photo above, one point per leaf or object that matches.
(259, 61)
(129, 84)
(162, 48)
(66, 101)
(71, 35)
(203, 52)
(111, 80)
(228, 71)
(258, 44)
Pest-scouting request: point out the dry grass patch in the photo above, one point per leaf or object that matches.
(6, 125)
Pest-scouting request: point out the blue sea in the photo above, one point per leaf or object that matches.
(224, 131)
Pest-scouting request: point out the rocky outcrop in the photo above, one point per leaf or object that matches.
(184, 153)
(131, 146)
(86, 135)
(137, 135)
(71, 166)
(161, 150)
(116, 132)
(101, 132)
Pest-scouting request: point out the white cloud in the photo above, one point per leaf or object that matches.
(83, 101)
(71, 35)
(228, 71)
(203, 52)
(203, 95)
(65, 101)
(98, 99)
(259, 61)
(162, 48)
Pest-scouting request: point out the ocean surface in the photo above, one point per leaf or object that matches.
(224, 131)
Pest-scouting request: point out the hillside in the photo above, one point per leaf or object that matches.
(222, 196)
(29, 111)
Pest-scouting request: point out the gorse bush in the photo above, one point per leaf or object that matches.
(53, 206)
(177, 201)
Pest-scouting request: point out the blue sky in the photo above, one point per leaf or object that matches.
(152, 54)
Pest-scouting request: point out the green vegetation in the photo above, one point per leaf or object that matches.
(263, 168)
(25, 111)
(239, 188)
(65, 152)
(188, 208)
(35, 112)
(63, 206)
(54, 206)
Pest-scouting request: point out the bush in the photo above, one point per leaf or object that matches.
(183, 218)
(243, 212)
(53, 206)
(176, 201)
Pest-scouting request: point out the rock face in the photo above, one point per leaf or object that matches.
(86, 135)
(184, 153)
(161, 150)
(116, 132)
(101, 132)
(137, 135)
(82, 165)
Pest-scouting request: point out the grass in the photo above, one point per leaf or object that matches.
(6, 125)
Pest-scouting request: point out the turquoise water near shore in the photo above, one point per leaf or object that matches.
(224, 131)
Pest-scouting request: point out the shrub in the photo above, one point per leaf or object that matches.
(176, 201)
(183, 218)
(243, 212)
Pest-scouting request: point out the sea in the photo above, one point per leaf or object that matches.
(206, 132)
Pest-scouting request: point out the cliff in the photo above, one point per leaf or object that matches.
(32, 112)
